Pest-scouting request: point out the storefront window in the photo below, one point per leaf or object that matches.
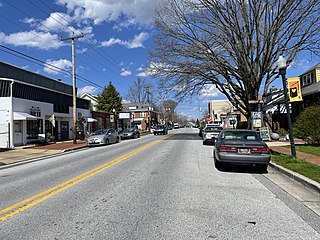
(48, 127)
(34, 128)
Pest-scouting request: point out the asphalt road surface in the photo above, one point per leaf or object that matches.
(155, 187)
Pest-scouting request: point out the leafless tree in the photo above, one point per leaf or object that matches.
(138, 92)
(233, 44)
(167, 108)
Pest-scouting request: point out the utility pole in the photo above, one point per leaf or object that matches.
(149, 117)
(74, 86)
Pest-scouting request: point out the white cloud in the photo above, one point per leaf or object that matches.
(140, 69)
(154, 67)
(111, 42)
(82, 50)
(136, 42)
(34, 39)
(63, 64)
(125, 72)
(99, 11)
(142, 74)
(87, 89)
(209, 91)
(57, 21)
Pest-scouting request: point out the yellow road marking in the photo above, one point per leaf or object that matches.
(40, 197)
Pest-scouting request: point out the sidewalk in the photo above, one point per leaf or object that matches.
(279, 147)
(32, 152)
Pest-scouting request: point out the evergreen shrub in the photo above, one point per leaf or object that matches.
(307, 125)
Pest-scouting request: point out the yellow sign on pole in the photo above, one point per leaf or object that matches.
(294, 89)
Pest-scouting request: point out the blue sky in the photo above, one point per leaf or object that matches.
(117, 36)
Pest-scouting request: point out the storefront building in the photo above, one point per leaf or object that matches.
(33, 107)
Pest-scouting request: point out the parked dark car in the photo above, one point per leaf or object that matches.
(210, 134)
(130, 133)
(160, 129)
(103, 137)
(241, 146)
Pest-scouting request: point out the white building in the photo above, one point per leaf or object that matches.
(28, 100)
(92, 99)
(218, 109)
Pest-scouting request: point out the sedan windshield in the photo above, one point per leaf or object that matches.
(240, 136)
(213, 129)
(99, 132)
(128, 130)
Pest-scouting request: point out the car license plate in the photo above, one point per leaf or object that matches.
(244, 150)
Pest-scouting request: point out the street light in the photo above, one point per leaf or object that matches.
(282, 66)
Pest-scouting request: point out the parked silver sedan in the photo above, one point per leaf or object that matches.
(103, 137)
(130, 133)
(241, 146)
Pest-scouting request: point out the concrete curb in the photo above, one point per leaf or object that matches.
(297, 177)
(72, 149)
(30, 160)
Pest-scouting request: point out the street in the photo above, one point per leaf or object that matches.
(155, 187)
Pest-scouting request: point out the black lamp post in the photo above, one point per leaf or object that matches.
(282, 66)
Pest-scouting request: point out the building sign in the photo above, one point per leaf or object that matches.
(35, 111)
(264, 133)
(294, 89)
(124, 115)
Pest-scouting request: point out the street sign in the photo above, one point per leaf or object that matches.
(208, 119)
(256, 119)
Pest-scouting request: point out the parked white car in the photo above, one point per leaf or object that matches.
(210, 133)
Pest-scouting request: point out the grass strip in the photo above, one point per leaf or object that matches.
(298, 165)
(310, 149)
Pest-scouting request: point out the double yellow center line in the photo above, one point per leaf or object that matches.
(42, 196)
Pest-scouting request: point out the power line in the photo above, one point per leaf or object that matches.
(55, 68)
(98, 51)
(71, 30)
(41, 63)
(84, 79)
(114, 62)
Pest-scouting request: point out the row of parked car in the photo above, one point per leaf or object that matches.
(110, 135)
(237, 146)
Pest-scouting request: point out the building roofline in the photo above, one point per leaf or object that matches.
(317, 66)
(22, 69)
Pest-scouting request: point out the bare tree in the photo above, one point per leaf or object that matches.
(232, 44)
(167, 108)
(138, 92)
